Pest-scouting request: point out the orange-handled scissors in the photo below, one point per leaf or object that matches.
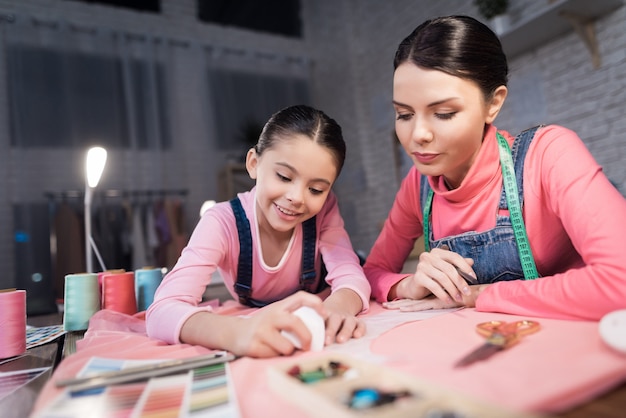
(500, 335)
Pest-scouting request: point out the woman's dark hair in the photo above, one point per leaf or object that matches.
(307, 121)
(460, 46)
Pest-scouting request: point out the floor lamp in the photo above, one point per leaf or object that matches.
(94, 165)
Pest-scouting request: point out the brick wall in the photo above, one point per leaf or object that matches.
(349, 45)
(553, 84)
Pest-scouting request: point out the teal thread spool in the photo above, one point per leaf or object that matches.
(82, 300)
(147, 280)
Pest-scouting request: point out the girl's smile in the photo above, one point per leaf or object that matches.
(286, 214)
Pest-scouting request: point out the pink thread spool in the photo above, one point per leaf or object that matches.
(12, 323)
(118, 292)
(100, 277)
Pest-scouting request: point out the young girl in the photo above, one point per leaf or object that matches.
(534, 219)
(268, 244)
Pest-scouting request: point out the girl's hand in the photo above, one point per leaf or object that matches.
(425, 304)
(437, 275)
(262, 337)
(342, 324)
(258, 335)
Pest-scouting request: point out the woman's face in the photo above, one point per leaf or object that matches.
(293, 179)
(440, 120)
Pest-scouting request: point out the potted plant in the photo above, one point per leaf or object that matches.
(495, 12)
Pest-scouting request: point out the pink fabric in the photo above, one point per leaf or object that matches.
(214, 245)
(575, 220)
(562, 366)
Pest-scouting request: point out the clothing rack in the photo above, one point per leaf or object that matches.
(112, 193)
(65, 240)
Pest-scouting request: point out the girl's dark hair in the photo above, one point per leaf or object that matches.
(460, 46)
(307, 121)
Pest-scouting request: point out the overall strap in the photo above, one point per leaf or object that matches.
(309, 241)
(515, 209)
(518, 152)
(243, 284)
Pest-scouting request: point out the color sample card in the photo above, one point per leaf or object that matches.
(43, 335)
(164, 397)
(202, 392)
(12, 381)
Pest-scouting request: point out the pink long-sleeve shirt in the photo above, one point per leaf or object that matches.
(575, 220)
(214, 245)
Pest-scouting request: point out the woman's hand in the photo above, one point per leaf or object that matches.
(342, 324)
(437, 275)
(258, 335)
(425, 304)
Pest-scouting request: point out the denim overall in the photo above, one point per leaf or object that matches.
(243, 285)
(494, 252)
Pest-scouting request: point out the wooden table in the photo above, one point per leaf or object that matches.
(610, 405)
(19, 404)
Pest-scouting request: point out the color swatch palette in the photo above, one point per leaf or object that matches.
(201, 392)
(43, 335)
(12, 381)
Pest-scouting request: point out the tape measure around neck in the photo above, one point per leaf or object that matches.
(515, 210)
(510, 188)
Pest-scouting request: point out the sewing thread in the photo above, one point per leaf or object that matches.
(100, 278)
(118, 292)
(147, 280)
(12, 323)
(82, 300)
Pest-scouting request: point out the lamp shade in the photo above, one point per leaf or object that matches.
(96, 160)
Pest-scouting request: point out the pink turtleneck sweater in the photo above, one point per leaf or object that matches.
(575, 221)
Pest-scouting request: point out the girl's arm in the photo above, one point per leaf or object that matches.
(181, 290)
(340, 259)
(258, 335)
(350, 290)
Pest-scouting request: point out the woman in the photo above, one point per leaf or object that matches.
(550, 243)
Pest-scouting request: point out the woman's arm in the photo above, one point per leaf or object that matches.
(395, 242)
(576, 222)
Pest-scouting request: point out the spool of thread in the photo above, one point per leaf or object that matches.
(147, 280)
(82, 300)
(100, 277)
(118, 292)
(12, 323)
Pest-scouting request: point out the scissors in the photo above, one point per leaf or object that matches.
(500, 335)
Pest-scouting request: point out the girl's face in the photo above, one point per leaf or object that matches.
(440, 120)
(293, 179)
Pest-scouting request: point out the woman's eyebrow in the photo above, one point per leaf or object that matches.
(401, 104)
(438, 102)
(432, 104)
